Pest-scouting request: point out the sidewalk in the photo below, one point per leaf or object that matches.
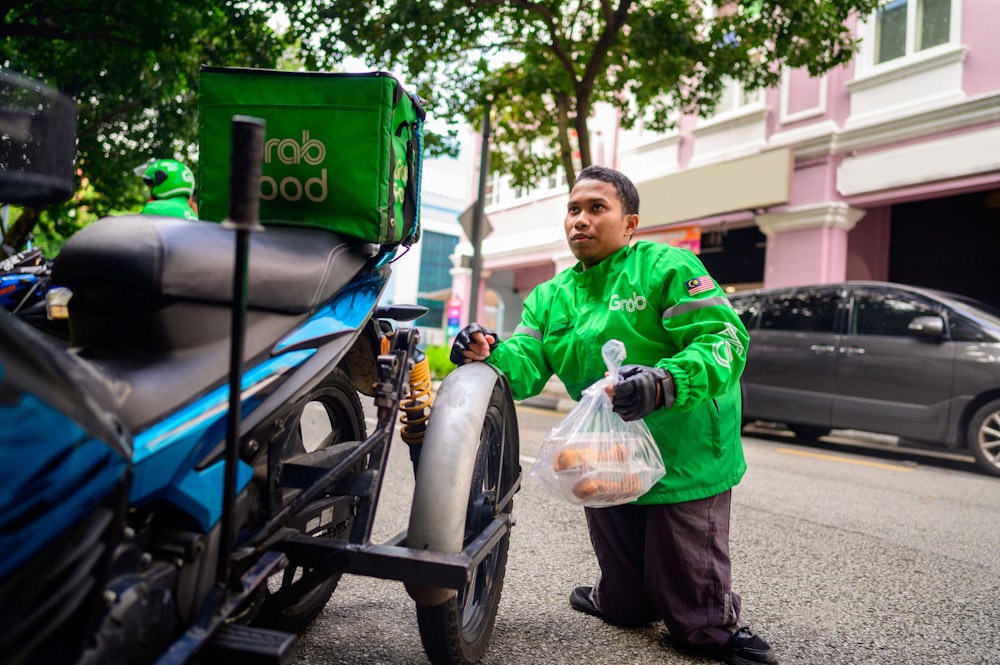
(553, 397)
(550, 402)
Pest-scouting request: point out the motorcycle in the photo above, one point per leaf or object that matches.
(23, 280)
(189, 480)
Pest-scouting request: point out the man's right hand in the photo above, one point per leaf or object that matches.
(641, 390)
(473, 342)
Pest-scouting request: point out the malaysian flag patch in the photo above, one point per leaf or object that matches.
(699, 284)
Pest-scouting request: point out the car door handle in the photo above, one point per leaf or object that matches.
(822, 348)
(852, 350)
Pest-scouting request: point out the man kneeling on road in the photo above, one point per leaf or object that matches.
(665, 556)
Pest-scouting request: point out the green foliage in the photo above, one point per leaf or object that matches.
(437, 360)
(55, 225)
(544, 63)
(133, 72)
(133, 69)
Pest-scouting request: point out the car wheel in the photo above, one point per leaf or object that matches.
(983, 437)
(808, 433)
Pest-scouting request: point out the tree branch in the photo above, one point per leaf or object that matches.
(603, 45)
(553, 29)
(565, 149)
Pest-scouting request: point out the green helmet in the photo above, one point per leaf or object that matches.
(168, 178)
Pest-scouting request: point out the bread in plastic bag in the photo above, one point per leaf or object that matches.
(594, 458)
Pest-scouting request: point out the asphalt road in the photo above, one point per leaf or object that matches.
(843, 555)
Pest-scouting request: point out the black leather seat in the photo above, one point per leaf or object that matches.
(151, 303)
(165, 258)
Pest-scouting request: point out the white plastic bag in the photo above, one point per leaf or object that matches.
(594, 458)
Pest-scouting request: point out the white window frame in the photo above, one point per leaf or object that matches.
(493, 184)
(907, 86)
(744, 101)
(742, 98)
(867, 32)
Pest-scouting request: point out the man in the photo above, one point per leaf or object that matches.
(665, 556)
(171, 189)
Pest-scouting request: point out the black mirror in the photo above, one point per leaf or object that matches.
(37, 142)
(930, 327)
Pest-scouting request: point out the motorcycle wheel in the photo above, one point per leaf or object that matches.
(331, 415)
(456, 628)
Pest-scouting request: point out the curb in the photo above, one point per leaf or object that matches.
(549, 402)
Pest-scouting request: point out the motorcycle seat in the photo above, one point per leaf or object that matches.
(161, 259)
(154, 283)
(152, 296)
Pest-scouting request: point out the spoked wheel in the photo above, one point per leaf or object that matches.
(331, 417)
(983, 437)
(482, 446)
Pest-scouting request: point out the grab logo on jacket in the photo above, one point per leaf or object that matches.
(633, 304)
(725, 349)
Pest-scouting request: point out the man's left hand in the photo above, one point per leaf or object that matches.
(641, 390)
(473, 342)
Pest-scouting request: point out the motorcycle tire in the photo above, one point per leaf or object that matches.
(471, 441)
(329, 416)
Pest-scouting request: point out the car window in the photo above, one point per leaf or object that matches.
(888, 314)
(812, 311)
(964, 330)
(747, 309)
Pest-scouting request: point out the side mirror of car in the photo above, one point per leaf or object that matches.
(929, 327)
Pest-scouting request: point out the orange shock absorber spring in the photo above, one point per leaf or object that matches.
(416, 407)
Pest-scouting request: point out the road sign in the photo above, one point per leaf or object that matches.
(465, 219)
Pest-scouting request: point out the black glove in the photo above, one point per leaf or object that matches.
(641, 390)
(464, 340)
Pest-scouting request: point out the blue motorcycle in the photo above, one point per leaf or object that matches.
(23, 278)
(190, 479)
(24, 282)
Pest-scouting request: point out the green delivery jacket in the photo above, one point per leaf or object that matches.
(175, 207)
(662, 304)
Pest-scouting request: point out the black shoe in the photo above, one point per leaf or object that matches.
(582, 600)
(746, 648)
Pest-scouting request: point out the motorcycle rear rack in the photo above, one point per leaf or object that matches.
(325, 557)
(318, 482)
(275, 544)
(393, 560)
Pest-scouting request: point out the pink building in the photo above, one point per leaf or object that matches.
(887, 169)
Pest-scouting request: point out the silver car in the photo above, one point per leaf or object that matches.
(916, 363)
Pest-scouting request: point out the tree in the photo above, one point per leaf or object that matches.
(545, 63)
(132, 70)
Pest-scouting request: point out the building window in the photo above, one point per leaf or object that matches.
(435, 274)
(556, 180)
(734, 97)
(904, 27)
(492, 189)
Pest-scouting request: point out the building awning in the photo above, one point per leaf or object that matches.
(441, 295)
(748, 183)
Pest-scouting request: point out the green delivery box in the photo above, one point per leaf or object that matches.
(342, 152)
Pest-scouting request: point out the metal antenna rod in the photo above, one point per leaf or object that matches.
(244, 208)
